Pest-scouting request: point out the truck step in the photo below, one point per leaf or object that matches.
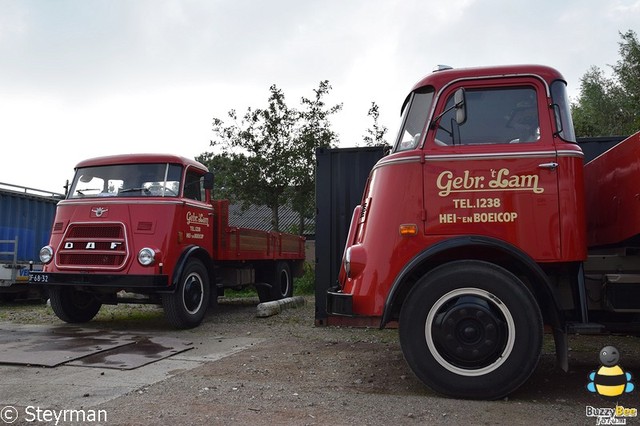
(585, 328)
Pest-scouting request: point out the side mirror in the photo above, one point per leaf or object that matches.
(208, 180)
(558, 117)
(460, 105)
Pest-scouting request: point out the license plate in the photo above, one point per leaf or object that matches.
(39, 278)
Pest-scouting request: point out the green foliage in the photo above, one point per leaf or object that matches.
(611, 106)
(222, 165)
(268, 157)
(314, 132)
(258, 153)
(306, 284)
(241, 293)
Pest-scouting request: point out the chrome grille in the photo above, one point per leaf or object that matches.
(93, 246)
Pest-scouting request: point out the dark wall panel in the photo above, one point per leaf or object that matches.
(341, 175)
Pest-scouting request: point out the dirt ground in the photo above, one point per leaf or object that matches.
(306, 375)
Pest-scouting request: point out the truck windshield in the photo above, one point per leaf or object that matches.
(127, 180)
(564, 122)
(414, 119)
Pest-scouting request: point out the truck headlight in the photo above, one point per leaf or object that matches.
(355, 259)
(46, 254)
(347, 262)
(146, 256)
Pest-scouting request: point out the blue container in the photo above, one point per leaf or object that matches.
(26, 214)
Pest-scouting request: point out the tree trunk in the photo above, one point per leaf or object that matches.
(301, 224)
(275, 219)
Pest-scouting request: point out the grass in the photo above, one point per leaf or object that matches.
(302, 286)
(306, 284)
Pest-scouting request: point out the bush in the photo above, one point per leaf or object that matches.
(306, 284)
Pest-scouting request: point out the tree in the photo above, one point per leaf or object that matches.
(611, 106)
(223, 165)
(375, 135)
(259, 152)
(597, 112)
(268, 158)
(627, 71)
(315, 132)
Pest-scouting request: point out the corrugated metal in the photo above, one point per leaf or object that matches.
(341, 175)
(27, 217)
(259, 217)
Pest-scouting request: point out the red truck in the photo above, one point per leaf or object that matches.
(145, 229)
(476, 233)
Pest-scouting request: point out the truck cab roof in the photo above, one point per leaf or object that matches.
(445, 76)
(139, 158)
(440, 78)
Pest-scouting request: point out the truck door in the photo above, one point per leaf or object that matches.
(197, 225)
(494, 174)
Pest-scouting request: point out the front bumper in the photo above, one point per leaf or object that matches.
(339, 303)
(145, 283)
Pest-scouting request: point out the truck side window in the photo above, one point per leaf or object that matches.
(563, 111)
(414, 119)
(193, 186)
(494, 116)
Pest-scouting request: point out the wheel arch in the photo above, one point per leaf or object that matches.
(479, 248)
(187, 254)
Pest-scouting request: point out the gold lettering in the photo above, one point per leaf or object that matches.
(502, 180)
(447, 184)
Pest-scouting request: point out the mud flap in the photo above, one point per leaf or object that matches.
(562, 348)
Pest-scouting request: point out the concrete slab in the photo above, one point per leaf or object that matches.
(141, 352)
(75, 387)
(50, 346)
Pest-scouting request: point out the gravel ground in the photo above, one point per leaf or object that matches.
(306, 375)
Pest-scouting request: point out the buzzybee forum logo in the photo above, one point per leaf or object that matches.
(610, 381)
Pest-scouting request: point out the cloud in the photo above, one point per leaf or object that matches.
(86, 77)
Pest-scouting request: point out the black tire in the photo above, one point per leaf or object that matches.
(187, 306)
(471, 329)
(73, 306)
(280, 281)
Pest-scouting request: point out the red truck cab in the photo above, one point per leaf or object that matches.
(468, 229)
(146, 225)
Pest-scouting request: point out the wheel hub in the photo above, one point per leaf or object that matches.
(468, 333)
(192, 294)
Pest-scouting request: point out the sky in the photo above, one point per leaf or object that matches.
(85, 78)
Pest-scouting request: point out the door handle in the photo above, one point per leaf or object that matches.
(550, 166)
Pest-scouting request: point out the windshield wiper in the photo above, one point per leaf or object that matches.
(146, 190)
(80, 191)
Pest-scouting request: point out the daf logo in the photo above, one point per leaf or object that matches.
(99, 211)
(91, 245)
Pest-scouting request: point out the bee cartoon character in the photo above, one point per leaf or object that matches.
(610, 379)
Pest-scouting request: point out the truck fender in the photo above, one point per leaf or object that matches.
(458, 248)
(188, 253)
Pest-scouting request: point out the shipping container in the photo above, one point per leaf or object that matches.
(341, 175)
(26, 216)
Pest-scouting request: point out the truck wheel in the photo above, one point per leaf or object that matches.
(280, 280)
(73, 306)
(471, 329)
(186, 307)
